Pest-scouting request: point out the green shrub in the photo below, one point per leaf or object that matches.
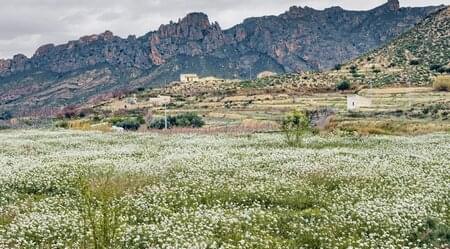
(62, 124)
(192, 120)
(414, 62)
(189, 120)
(435, 67)
(432, 232)
(343, 85)
(160, 123)
(131, 124)
(337, 67)
(295, 125)
(6, 115)
(128, 123)
(353, 69)
(443, 70)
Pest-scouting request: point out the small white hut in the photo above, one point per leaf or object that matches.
(266, 74)
(189, 78)
(355, 102)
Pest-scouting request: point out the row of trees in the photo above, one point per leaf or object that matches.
(191, 120)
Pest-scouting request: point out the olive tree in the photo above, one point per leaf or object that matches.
(295, 125)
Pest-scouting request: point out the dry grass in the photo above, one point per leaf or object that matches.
(85, 125)
(442, 83)
(391, 127)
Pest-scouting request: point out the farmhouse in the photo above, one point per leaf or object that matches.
(266, 74)
(354, 102)
(185, 78)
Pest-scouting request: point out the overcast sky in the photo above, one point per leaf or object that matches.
(27, 24)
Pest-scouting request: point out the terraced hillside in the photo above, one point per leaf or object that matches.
(413, 59)
(416, 56)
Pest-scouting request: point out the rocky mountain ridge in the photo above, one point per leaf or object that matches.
(301, 39)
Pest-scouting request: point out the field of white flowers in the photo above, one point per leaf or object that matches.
(62, 189)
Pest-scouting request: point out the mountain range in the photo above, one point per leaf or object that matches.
(301, 39)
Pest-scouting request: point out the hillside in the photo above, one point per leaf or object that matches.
(414, 58)
(302, 39)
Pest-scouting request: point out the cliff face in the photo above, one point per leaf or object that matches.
(298, 40)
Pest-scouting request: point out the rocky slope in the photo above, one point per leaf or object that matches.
(299, 40)
(414, 58)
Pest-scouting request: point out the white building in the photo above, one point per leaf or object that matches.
(189, 78)
(266, 74)
(355, 102)
(160, 100)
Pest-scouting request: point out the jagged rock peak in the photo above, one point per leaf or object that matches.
(107, 35)
(196, 19)
(299, 9)
(44, 49)
(191, 27)
(392, 5)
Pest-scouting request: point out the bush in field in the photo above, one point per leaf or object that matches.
(343, 85)
(435, 67)
(128, 123)
(295, 125)
(189, 120)
(160, 123)
(68, 112)
(192, 120)
(62, 124)
(131, 124)
(6, 115)
(442, 83)
(414, 62)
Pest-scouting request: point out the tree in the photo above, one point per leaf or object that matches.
(6, 115)
(414, 62)
(353, 69)
(295, 125)
(343, 85)
(189, 120)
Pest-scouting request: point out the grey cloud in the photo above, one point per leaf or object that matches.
(27, 24)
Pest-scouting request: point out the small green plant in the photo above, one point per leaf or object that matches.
(100, 215)
(338, 67)
(62, 124)
(295, 125)
(414, 62)
(343, 85)
(433, 232)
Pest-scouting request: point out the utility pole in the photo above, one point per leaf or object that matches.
(409, 94)
(165, 116)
